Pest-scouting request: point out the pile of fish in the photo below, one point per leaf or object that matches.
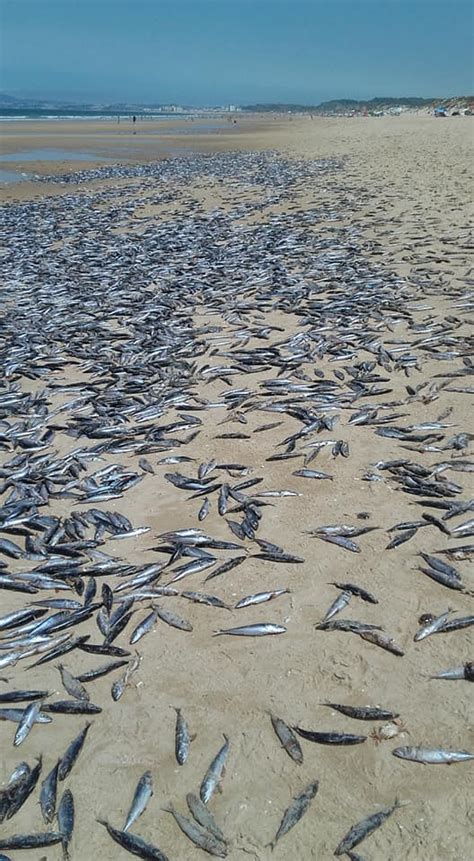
(125, 355)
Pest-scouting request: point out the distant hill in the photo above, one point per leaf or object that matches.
(375, 105)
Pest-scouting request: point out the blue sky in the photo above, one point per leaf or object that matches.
(238, 51)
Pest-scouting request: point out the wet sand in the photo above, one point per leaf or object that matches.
(406, 190)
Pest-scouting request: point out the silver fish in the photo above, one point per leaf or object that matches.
(182, 738)
(432, 756)
(199, 835)
(141, 797)
(363, 829)
(295, 811)
(431, 627)
(261, 629)
(341, 601)
(214, 773)
(30, 716)
(260, 598)
(173, 620)
(203, 815)
(287, 738)
(49, 788)
(143, 627)
(72, 685)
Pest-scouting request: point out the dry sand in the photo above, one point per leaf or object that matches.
(408, 182)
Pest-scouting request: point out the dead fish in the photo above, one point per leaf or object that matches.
(203, 815)
(346, 625)
(296, 811)
(72, 753)
(30, 716)
(287, 738)
(173, 620)
(194, 567)
(266, 427)
(100, 649)
(432, 756)
(225, 567)
(9, 548)
(72, 685)
(276, 493)
(434, 521)
(22, 696)
(380, 638)
(72, 707)
(204, 510)
(440, 566)
(341, 601)
(363, 829)
(358, 591)
(443, 577)
(222, 499)
(205, 468)
(143, 628)
(134, 844)
(261, 629)
(141, 797)
(22, 783)
(103, 670)
(363, 712)
(312, 473)
(456, 624)
(404, 536)
(198, 835)
(214, 773)
(31, 841)
(466, 671)
(431, 627)
(260, 598)
(176, 459)
(66, 820)
(182, 738)
(459, 553)
(341, 541)
(278, 557)
(202, 598)
(48, 792)
(330, 737)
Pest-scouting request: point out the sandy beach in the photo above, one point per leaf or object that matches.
(395, 194)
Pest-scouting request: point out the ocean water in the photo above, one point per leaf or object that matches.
(9, 176)
(73, 114)
(52, 155)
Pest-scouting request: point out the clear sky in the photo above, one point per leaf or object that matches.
(237, 51)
